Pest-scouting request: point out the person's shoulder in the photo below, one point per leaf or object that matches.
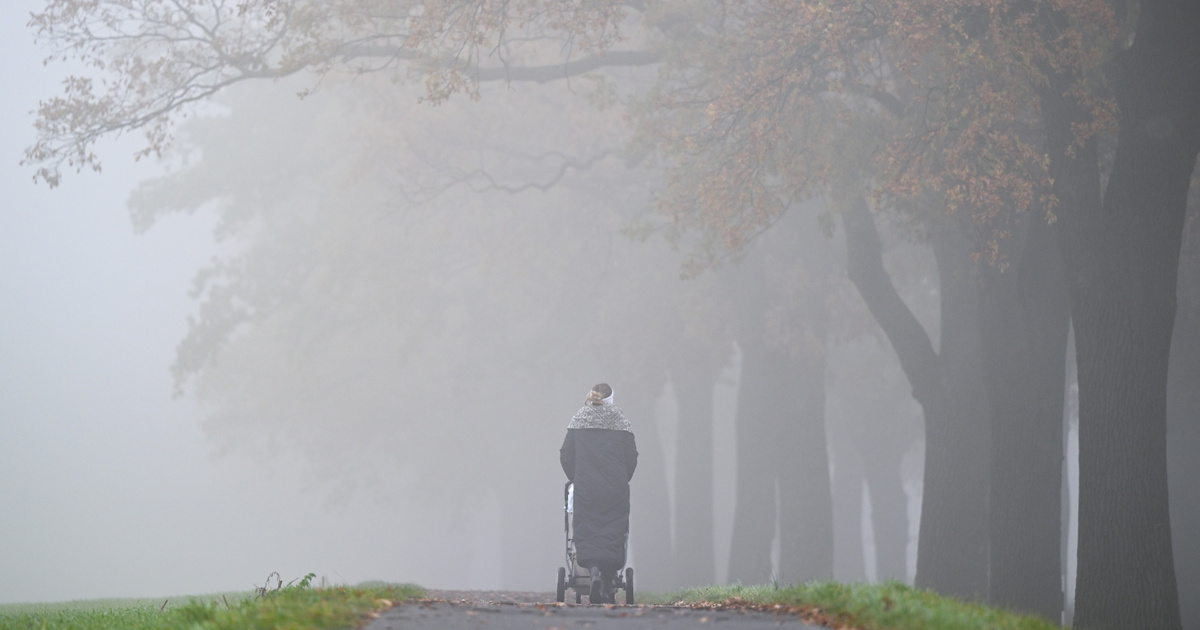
(624, 420)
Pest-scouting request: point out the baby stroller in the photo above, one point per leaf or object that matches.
(578, 578)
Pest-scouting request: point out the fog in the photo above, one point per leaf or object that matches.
(345, 334)
(110, 487)
(113, 487)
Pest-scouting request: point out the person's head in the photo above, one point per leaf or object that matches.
(601, 394)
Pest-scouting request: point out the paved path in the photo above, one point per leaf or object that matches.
(496, 611)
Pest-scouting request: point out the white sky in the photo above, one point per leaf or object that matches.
(108, 488)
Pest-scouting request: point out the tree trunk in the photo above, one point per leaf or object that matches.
(953, 556)
(783, 462)
(650, 509)
(849, 480)
(1076, 173)
(1183, 420)
(1126, 573)
(693, 376)
(889, 513)
(759, 419)
(1122, 262)
(849, 546)
(1026, 318)
(1183, 464)
(805, 499)
(870, 431)
(952, 545)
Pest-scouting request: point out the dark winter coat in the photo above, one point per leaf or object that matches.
(600, 462)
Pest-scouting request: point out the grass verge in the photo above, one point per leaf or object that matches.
(888, 606)
(332, 608)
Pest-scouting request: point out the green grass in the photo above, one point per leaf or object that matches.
(85, 605)
(331, 608)
(889, 606)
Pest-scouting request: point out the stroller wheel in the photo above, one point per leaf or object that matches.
(562, 584)
(629, 586)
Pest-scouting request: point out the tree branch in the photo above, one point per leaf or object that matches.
(864, 267)
(162, 58)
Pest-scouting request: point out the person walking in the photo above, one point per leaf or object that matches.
(599, 455)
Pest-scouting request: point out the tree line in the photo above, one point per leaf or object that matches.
(1043, 150)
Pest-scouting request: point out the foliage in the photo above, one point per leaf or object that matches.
(764, 104)
(296, 607)
(759, 104)
(889, 606)
(158, 60)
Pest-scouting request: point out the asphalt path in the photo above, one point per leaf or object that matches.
(479, 613)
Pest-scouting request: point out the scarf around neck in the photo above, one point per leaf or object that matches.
(600, 417)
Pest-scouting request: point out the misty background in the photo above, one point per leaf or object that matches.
(399, 309)
(110, 487)
(113, 487)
